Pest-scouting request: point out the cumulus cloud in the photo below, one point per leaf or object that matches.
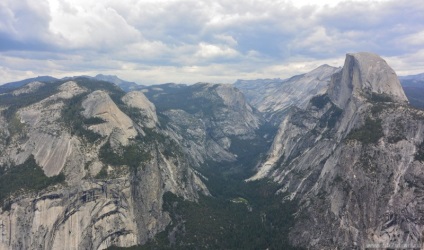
(90, 25)
(24, 25)
(155, 41)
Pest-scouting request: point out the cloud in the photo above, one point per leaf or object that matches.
(379, 26)
(154, 41)
(90, 25)
(24, 25)
(211, 51)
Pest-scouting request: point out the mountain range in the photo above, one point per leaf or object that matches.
(330, 159)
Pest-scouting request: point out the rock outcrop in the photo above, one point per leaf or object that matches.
(363, 75)
(115, 174)
(38, 126)
(138, 100)
(98, 104)
(30, 87)
(353, 160)
(349, 151)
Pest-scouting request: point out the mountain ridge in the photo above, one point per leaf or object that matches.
(336, 157)
(115, 169)
(274, 98)
(164, 166)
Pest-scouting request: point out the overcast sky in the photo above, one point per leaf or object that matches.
(188, 41)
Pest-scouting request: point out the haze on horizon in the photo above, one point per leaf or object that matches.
(188, 41)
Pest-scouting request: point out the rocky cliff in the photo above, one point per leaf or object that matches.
(95, 166)
(354, 161)
(94, 162)
(85, 165)
(274, 97)
(205, 118)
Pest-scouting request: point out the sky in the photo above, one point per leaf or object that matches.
(189, 41)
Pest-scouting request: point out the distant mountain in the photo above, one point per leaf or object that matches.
(275, 96)
(418, 77)
(206, 118)
(17, 84)
(413, 85)
(334, 159)
(124, 85)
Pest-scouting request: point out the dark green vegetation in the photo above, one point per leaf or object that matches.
(92, 84)
(131, 155)
(24, 177)
(221, 223)
(419, 156)
(376, 98)
(72, 113)
(320, 101)
(102, 174)
(370, 132)
(331, 116)
(397, 134)
(76, 122)
(15, 102)
(14, 85)
(238, 215)
(248, 152)
(15, 126)
(181, 97)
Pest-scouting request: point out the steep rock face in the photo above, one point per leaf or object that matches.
(365, 74)
(352, 159)
(138, 100)
(99, 104)
(37, 125)
(7, 87)
(236, 106)
(274, 97)
(192, 132)
(85, 217)
(112, 193)
(205, 118)
(122, 211)
(124, 85)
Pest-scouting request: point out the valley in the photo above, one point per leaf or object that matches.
(330, 158)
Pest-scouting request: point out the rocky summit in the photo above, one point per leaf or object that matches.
(353, 160)
(330, 159)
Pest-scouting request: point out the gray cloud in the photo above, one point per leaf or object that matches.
(24, 25)
(188, 41)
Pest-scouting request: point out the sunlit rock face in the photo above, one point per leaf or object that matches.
(136, 99)
(348, 148)
(117, 158)
(365, 74)
(353, 159)
(115, 171)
